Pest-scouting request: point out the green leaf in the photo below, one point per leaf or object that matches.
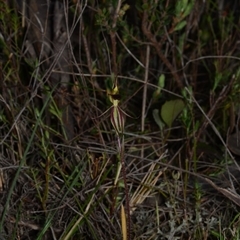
(180, 25)
(178, 8)
(170, 110)
(145, 6)
(161, 81)
(218, 78)
(188, 9)
(181, 7)
(157, 119)
(161, 84)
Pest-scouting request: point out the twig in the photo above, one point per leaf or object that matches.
(213, 109)
(145, 95)
(157, 46)
(113, 38)
(145, 88)
(129, 52)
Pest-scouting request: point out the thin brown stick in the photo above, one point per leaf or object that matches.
(114, 52)
(86, 48)
(145, 95)
(145, 88)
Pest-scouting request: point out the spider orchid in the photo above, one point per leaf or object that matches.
(117, 115)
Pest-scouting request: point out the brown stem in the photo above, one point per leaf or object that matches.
(157, 46)
(86, 48)
(114, 52)
(113, 38)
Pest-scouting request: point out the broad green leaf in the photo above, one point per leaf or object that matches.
(170, 110)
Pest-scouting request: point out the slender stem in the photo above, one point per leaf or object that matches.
(113, 38)
(121, 151)
(145, 89)
(145, 95)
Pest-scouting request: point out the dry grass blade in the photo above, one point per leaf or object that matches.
(123, 223)
(233, 196)
(145, 188)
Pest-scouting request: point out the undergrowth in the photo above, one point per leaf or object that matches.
(119, 119)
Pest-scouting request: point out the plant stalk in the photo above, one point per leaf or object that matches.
(124, 175)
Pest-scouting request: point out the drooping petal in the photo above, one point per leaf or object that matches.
(117, 119)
